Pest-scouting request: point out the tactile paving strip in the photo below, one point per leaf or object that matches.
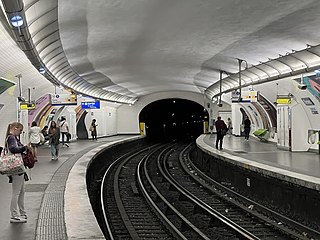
(51, 222)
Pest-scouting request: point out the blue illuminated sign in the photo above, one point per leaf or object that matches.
(90, 105)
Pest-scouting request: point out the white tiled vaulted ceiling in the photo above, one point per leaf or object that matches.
(130, 48)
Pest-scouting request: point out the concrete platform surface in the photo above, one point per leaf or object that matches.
(302, 168)
(56, 200)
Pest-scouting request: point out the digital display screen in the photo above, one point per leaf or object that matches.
(90, 105)
(307, 101)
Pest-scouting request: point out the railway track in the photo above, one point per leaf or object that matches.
(288, 226)
(156, 193)
(127, 214)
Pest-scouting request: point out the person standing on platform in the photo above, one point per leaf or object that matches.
(13, 144)
(229, 125)
(221, 129)
(93, 129)
(34, 138)
(54, 136)
(247, 128)
(64, 128)
(45, 134)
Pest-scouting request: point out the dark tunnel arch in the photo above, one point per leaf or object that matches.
(174, 118)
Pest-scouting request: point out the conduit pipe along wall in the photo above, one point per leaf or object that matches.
(292, 64)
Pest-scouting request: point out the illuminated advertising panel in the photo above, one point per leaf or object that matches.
(246, 96)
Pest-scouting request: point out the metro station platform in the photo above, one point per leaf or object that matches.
(302, 168)
(56, 197)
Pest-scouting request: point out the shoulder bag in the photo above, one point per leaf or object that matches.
(11, 163)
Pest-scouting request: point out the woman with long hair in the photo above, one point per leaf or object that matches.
(54, 136)
(93, 129)
(13, 144)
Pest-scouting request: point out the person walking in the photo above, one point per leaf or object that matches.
(229, 126)
(221, 129)
(93, 129)
(34, 139)
(64, 128)
(247, 128)
(54, 136)
(13, 144)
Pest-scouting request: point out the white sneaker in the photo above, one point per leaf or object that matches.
(17, 220)
(24, 216)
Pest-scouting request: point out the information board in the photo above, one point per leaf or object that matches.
(90, 105)
(63, 99)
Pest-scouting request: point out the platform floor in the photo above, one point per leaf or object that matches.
(307, 163)
(45, 175)
(48, 179)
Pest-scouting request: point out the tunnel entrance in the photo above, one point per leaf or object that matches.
(170, 119)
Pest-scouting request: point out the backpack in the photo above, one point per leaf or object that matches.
(28, 159)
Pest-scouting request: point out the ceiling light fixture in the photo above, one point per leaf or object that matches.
(42, 70)
(16, 21)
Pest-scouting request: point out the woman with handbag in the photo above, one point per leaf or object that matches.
(13, 144)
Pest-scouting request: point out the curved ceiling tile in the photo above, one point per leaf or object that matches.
(268, 69)
(48, 48)
(59, 64)
(53, 59)
(231, 83)
(303, 63)
(247, 76)
(307, 57)
(253, 73)
(41, 40)
(45, 32)
(59, 70)
(54, 55)
(315, 59)
(52, 52)
(289, 62)
(282, 66)
(47, 39)
(314, 49)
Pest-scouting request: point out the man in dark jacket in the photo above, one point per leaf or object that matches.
(221, 128)
(247, 128)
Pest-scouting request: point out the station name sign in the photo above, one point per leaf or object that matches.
(90, 105)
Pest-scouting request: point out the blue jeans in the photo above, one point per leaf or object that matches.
(54, 151)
